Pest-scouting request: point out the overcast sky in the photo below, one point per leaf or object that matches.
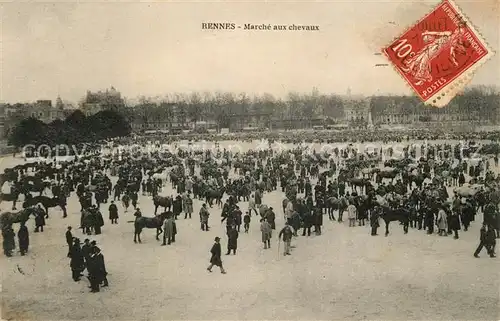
(65, 48)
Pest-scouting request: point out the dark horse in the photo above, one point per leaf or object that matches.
(47, 203)
(165, 202)
(12, 197)
(214, 194)
(142, 222)
(38, 187)
(9, 218)
(400, 214)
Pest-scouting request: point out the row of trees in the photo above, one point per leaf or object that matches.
(475, 103)
(223, 108)
(75, 129)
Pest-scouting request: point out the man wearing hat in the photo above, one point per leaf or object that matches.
(86, 249)
(215, 259)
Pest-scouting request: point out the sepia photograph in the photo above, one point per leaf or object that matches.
(250, 160)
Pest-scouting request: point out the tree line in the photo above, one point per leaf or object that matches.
(75, 129)
(476, 103)
(225, 107)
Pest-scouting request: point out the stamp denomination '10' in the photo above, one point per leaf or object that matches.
(438, 54)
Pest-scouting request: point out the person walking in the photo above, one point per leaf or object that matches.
(483, 241)
(286, 234)
(215, 259)
(23, 238)
(491, 240)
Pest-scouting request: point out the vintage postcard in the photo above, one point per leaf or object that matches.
(249, 160)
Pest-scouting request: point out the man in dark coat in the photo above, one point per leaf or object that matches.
(215, 259)
(39, 219)
(318, 220)
(237, 214)
(94, 277)
(454, 223)
(374, 220)
(232, 240)
(8, 240)
(483, 242)
(491, 240)
(177, 206)
(24, 238)
(100, 267)
(113, 213)
(86, 249)
(307, 218)
(99, 220)
(271, 218)
(77, 263)
(69, 240)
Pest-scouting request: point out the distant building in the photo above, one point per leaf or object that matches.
(403, 110)
(95, 102)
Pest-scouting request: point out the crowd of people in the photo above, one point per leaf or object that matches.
(313, 184)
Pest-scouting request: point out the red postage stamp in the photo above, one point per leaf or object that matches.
(438, 55)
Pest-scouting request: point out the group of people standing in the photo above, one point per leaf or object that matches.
(87, 256)
(9, 243)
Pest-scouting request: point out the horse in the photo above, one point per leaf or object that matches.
(358, 182)
(165, 202)
(419, 179)
(214, 194)
(9, 218)
(38, 187)
(47, 203)
(400, 214)
(387, 172)
(12, 197)
(142, 222)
